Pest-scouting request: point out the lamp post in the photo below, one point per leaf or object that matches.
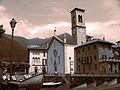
(12, 24)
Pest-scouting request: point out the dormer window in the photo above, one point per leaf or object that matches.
(80, 18)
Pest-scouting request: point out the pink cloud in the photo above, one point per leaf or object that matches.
(48, 30)
(24, 28)
(110, 30)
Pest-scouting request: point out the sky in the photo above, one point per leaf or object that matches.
(38, 18)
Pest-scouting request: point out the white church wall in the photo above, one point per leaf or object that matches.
(69, 59)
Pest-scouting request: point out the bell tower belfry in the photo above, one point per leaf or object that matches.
(78, 25)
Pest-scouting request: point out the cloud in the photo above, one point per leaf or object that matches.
(102, 17)
(25, 29)
(22, 27)
(48, 30)
(2, 8)
(110, 30)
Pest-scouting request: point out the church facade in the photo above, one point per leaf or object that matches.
(60, 57)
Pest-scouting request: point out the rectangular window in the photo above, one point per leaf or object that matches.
(44, 54)
(88, 48)
(78, 59)
(51, 61)
(109, 47)
(33, 53)
(81, 42)
(71, 69)
(78, 50)
(103, 47)
(95, 57)
(59, 59)
(87, 59)
(43, 62)
(54, 44)
(82, 60)
(83, 49)
(95, 66)
(90, 61)
(94, 46)
(79, 68)
(38, 53)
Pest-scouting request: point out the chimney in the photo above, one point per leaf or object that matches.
(103, 38)
(47, 44)
(65, 38)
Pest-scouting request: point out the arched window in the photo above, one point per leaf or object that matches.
(80, 19)
(33, 59)
(38, 60)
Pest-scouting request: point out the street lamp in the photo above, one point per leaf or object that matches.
(12, 24)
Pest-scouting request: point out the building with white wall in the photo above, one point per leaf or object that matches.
(37, 58)
(60, 56)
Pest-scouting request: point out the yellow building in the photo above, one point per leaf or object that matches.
(95, 57)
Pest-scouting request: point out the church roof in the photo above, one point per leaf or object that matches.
(43, 45)
(37, 47)
(69, 39)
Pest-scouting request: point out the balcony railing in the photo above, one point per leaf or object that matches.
(109, 60)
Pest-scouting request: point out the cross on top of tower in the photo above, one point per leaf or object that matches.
(54, 31)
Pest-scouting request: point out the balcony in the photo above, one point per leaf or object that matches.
(109, 60)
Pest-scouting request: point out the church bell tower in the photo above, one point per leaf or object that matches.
(78, 25)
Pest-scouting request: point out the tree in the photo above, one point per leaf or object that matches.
(2, 31)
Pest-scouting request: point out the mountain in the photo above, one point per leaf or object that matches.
(19, 50)
(34, 41)
(21, 40)
(24, 42)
